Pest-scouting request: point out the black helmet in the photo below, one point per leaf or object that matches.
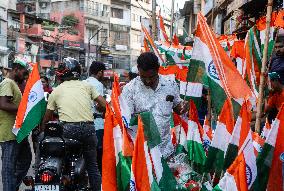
(69, 69)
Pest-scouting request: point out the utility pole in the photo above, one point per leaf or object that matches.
(172, 19)
(154, 21)
(263, 67)
(89, 51)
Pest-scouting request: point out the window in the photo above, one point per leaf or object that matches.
(136, 38)
(82, 5)
(114, 27)
(105, 10)
(117, 13)
(97, 8)
(133, 17)
(117, 36)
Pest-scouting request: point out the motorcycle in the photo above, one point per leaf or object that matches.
(61, 165)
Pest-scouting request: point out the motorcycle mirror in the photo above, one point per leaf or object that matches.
(28, 181)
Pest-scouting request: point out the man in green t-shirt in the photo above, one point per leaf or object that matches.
(16, 157)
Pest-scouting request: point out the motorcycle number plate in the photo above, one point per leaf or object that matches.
(46, 187)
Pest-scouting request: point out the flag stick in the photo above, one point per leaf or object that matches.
(209, 114)
(179, 133)
(202, 179)
(263, 67)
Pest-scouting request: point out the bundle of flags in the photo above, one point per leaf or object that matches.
(250, 161)
(254, 46)
(149, 170)
(211, 66)
(124, 168)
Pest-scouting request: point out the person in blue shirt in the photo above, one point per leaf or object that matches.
(95, 80)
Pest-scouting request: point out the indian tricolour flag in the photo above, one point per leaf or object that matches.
(238, 53)
(116, 167)
(252, 62)
(235, 177)
(32, 106)
(208, 135)
(269, 164)
(163, 37)
(196, 152)
(123, 115)
(258, 143)
(266, 129)
(261, 26)
(149, 171)
(153, 46)
(221, 138)
(241, 141)
(211, 66)
(179, 132)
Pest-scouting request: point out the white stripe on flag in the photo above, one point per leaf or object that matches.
(157, 162)
(117, 138)
(149, 164)
(193, 132)
(236, 132)
(191, 89)
(250, 159)
(221, 131)
(35, 96)
(272, 136)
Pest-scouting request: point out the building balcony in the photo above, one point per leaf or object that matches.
(123, 1)
(117, 21)
(44, 1)
(223, 3)
(99, 16)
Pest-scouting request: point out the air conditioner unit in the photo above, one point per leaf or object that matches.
(43, 5)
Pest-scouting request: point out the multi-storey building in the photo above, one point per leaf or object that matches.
(140, 10)
(93, 24)
(4, 50)
(120, 24)
(40, 8)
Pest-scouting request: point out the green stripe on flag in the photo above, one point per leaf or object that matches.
(196, 152)
(217, 188)
(231, 154)
(32, 119)
(150, 130)
(154, 186)
(152, 135)
(123, 170)
(197, 73)
(167, 181)
(215, 160)
(263, 163)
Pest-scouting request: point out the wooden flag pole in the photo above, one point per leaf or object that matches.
(263, 67)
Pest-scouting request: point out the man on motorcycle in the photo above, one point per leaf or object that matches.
(73, 99)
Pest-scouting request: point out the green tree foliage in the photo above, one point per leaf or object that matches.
(69, 20)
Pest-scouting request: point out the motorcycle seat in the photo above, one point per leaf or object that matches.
(73, 146)
(72, 142)
(53, 146)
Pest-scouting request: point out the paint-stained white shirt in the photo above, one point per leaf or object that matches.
(141, 98)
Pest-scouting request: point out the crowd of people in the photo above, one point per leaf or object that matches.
(80, 105)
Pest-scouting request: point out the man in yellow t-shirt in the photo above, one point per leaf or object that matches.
(73, 99)
(16, 157)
